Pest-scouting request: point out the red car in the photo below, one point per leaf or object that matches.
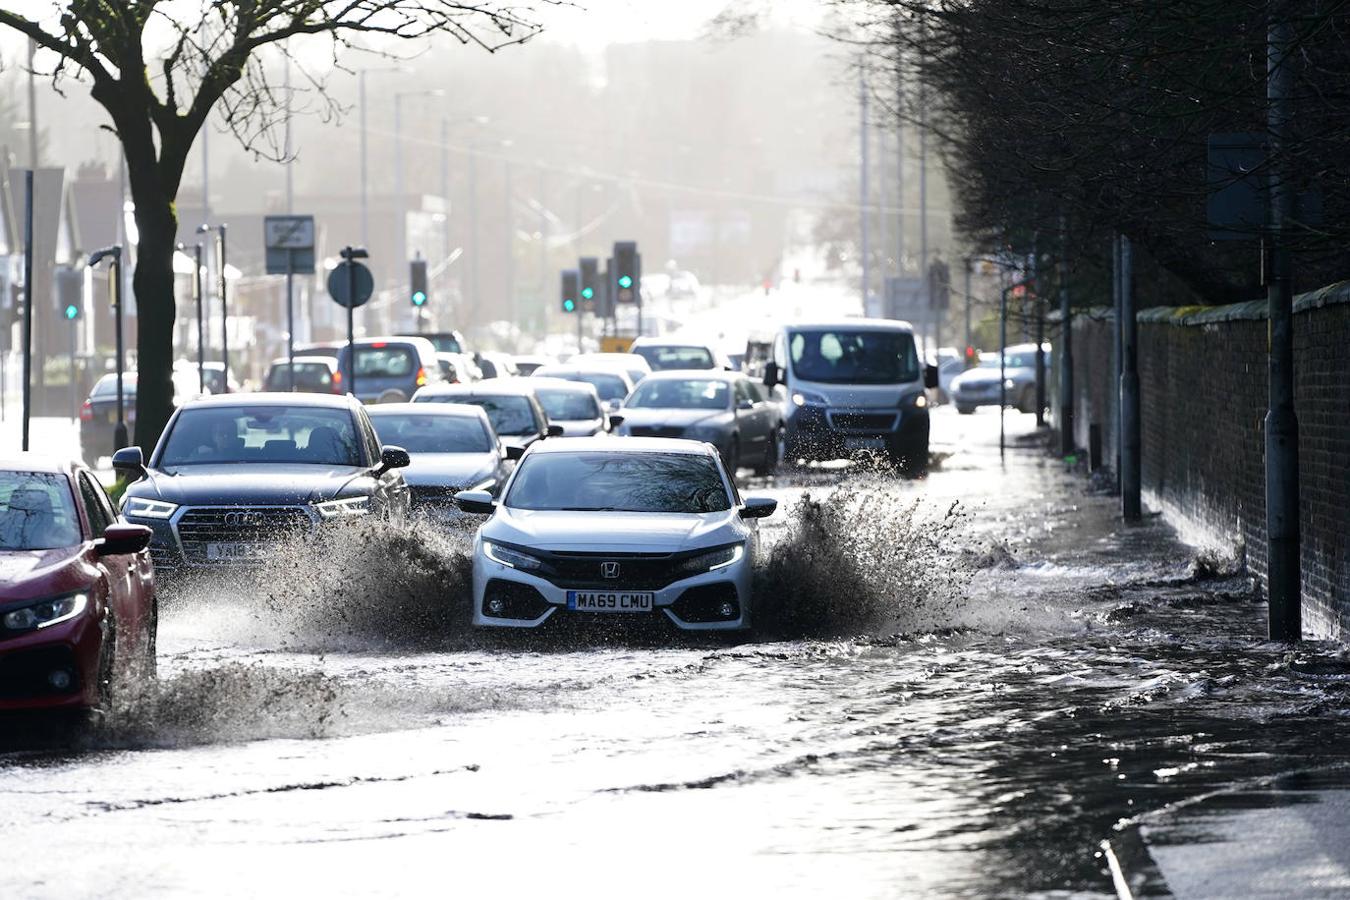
(77, 589)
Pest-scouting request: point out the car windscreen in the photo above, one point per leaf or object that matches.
(37, 511)
(302, 435)
(668, 357)
(510, 414)
(1022, 360)
(418, 433)
(107, 386)
(384, 362)
(308, 377)
(567, 405)
(842, 356)
(623, 482)
(445, 344)
(686, 393)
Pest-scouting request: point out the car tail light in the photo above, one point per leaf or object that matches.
(421, 377)
(337, 382)
(87, 412)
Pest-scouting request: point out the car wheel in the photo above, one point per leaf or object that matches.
(773, 450)
(964, 410)
(105, 688)
(149, 665)
(393, 396)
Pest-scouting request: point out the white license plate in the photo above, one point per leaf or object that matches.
(864, 443)
(228, 552)
(611, 601)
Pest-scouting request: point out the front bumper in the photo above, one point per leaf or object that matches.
(27, 660)
(986, 394)
(821, 432)
(688, 604)
(180, 544)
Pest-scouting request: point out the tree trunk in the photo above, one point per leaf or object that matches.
(153, 283)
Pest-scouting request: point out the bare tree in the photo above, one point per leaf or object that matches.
(159, 69)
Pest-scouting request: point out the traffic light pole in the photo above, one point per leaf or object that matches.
(290, 321)
(120, 432)
(201, 320)
(351, 324)
(27, 306)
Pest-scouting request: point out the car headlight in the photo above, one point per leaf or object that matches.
(337, 509)
(514, 559)
(712, 560)
(45, 613)
(808, 398)
(145, 508)
(916, 401)
(1009, 383)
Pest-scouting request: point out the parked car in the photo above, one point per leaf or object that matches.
(452, 447)
(78, 609)
(98, 413)
(443, 341)
(575, 405)
(612, 384)
(854, 384)
(1017, 369)
(330, 349)
(645, 529)
(312, 375)
(510, 403)
(673, 352)
(390, 370)
(725, 409)
(232, 476)
(636, 367)
(497, 365)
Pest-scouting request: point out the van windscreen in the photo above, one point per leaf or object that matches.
(842, 356)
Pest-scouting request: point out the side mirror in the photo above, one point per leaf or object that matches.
(122, 539)
(745, 404)
(478, 502)
(394, 458)
(758, 507)
(930, 376)
(615, 420)
(513, 452)
(555, 431)
(770, 374)
(129, 463)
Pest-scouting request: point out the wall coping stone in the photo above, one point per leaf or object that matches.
(1250, 311)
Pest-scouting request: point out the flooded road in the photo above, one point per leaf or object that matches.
(986, 695)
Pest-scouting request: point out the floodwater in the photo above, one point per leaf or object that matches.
(960, 688)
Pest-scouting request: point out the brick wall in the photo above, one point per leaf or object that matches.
(1203, 387)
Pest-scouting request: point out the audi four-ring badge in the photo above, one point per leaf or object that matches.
(235, 475)
(639, 530)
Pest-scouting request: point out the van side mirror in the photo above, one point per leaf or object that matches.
(930, 376)
(770, 374)
(129, 463)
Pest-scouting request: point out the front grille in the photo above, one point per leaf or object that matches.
(253, 525)
(871, 423)
(661, 431)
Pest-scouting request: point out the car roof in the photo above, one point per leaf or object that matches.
(562, 384)
(38, 462)
(545, 371)
(273, 398)
(859, 324)
(674, 341)
(627, 445)
(516, 387)
(453, 410)
(700, 374)
(311, 360)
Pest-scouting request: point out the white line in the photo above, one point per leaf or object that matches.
(1117, 874)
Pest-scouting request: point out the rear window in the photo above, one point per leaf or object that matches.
(563, 406)
(308, 377)
(660, 358)
(107, 387)
(419, 433)
(385, 362)
(509, 414)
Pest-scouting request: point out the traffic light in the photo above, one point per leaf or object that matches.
(589, 274)
(627, 271)
(69, 292)
(417, 278)
(570, 279)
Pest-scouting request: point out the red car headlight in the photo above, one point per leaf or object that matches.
(44, 613)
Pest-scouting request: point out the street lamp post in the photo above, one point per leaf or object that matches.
(115, 254)
(200, 291)
(224, 301)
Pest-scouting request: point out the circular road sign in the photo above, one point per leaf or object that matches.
(340, 284)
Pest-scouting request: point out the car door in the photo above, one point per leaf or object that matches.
(749, 416)
(130, 576)
(392, 494)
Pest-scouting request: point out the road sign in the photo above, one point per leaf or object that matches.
(290, 244)
(614, 343)
(1236, 206)
(339, 281)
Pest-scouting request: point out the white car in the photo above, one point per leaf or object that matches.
(638, 529)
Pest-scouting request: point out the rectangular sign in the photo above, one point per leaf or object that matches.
(288, 232)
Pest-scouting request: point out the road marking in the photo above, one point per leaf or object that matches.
(1117, 873)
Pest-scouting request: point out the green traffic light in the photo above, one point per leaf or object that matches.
(72, 311)
(569, 305)
(625, 281)
(587, 293)
(419, 298)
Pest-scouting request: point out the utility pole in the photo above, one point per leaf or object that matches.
(1283, 566)
(29, 177)
(33, 154)
(472, 237)
(365, 169)
(923, 194)
(966, 345)
(1130, 469)
(510, 248)
(199, 293)
(1066, 428)
(1115, 345)
(899, 162)
(862, 183)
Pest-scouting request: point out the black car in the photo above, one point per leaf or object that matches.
(233, 475)
(98, 415)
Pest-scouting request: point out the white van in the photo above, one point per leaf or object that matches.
(854, 384)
